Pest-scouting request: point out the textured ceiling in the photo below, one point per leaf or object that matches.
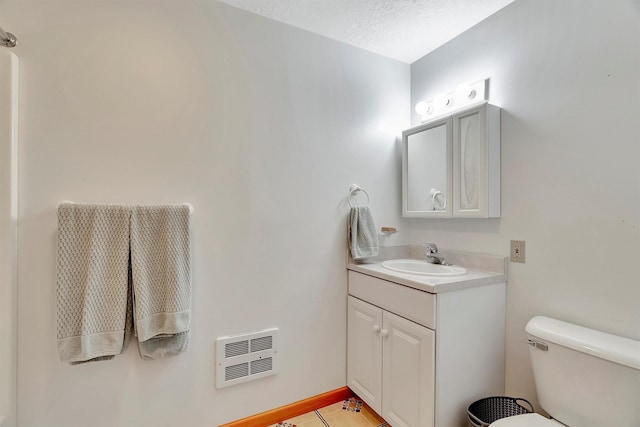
(405, 30)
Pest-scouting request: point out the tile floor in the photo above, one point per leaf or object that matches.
(350, 413)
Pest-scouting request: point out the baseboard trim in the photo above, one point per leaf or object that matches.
(293, 410)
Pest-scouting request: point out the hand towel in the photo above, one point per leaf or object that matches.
(161, 271)
(91, 281)
(363, 236)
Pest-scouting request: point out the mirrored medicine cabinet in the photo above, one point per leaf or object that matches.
(451, 165)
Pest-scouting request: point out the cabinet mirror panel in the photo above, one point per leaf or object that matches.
(426, 177)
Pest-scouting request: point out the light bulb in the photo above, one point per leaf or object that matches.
(465, 91)
(421, 108)
(443, 99)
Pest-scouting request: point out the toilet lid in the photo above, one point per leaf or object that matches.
(526, 420)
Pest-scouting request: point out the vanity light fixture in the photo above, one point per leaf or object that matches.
(465, 95)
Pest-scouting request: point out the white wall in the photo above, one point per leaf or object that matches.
(262, 127)
(566, 74)
(8, 234)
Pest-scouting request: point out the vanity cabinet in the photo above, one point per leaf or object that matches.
(451, 166)
(391, 362)
(419, 359)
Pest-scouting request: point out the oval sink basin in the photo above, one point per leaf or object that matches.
(415, 266)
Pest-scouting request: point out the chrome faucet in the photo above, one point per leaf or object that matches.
(432, 254)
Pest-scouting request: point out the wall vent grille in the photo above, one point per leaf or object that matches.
(247, 357)
(261, 344)
(262, 365)
(236, 348)
(236, 371)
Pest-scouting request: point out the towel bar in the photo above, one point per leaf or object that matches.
(183, 204)
(353, 190)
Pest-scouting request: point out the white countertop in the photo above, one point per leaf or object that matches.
(432, 284)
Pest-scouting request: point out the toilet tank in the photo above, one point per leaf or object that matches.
(584, 377)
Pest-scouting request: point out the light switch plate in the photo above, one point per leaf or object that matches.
(517, 251)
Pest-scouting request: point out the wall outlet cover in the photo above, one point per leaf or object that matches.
(517, 251)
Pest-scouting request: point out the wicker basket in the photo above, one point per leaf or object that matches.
(485, 411)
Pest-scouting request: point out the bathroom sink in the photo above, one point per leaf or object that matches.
(415, 266)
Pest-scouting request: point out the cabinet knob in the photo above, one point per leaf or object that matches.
(384, 332)
(376, 328)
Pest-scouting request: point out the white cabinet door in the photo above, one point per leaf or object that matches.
(469, 167)
(408, 373)
(476, 162)
(364, 352)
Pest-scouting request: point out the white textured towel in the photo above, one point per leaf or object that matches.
(116, 263)
(160, 264)
(91, 282)
(363, 237)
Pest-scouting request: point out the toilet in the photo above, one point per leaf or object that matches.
(583, 377)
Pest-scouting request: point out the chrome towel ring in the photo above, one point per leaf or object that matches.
(353, 191)
(438, 205)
